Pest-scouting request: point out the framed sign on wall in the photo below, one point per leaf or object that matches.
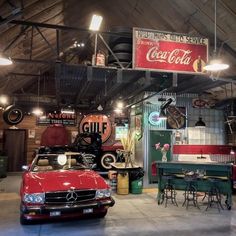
(167, 51)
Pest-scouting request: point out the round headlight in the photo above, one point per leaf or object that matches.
(102, 193)
(34, 198)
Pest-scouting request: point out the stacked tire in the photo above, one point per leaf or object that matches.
(121, 45)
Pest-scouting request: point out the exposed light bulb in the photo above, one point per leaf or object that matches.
(4, 61)
(3, 99)
(37, 111)
(216, 65)
(95, 23)
(120, 105)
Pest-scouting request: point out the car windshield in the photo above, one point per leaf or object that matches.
(66, 161)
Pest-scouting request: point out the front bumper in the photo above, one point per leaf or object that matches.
(40, 212)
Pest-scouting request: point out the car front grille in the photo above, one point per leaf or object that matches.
(71, 196)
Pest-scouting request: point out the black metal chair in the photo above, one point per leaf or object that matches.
(169, 192)
(190, 193)
(214, 195)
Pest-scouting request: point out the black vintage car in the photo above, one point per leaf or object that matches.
(91, 145)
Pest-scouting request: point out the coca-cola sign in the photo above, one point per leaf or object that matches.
(171, 52)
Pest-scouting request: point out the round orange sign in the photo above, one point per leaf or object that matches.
(96, 124)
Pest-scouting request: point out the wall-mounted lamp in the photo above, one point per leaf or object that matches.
(167, 103)
(95, 26)
(215, 64)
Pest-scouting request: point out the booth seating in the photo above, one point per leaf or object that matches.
(203, 181)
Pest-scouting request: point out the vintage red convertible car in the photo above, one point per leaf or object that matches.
(62, 185)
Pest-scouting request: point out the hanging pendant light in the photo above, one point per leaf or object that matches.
(37, 110)
(200, 123)
(216, 64)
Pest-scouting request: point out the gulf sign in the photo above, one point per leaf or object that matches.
(96, 124)
(170, 52)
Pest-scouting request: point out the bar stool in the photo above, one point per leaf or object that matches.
(190, 193)
(214, 195)
(169, 192)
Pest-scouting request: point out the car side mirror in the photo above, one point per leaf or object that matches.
(25, 167)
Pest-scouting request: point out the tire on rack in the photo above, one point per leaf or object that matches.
(121, 34)
(122, 47)
(122, 57)
(124, 64)
(106, 159)
(13, 115)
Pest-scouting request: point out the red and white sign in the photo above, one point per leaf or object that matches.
(171, 52)
(201, 103)
(96, 124)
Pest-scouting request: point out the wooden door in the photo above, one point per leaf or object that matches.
(15, 148)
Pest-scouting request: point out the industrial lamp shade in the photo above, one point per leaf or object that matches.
(5, 61)
(216, 65)
(162, 115)
(200, 123)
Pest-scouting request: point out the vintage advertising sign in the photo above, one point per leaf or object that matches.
(57, 118)
(176, 117)
(96, 124)
(171, 52)
(201, 103)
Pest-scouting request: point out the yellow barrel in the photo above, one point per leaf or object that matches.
(123, 183)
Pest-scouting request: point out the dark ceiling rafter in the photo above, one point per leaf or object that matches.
(51, 26)
(64, 27)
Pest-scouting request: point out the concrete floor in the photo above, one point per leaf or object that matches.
(131, 215)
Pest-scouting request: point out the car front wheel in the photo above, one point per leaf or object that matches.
(106, 160)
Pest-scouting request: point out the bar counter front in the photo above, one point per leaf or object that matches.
(204, 173)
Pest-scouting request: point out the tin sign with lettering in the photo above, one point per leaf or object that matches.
(171, 52)
(96, 124)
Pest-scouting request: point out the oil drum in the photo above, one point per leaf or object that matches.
(123, 183)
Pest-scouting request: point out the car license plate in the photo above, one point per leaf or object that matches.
(55, 213)
(87, 211)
